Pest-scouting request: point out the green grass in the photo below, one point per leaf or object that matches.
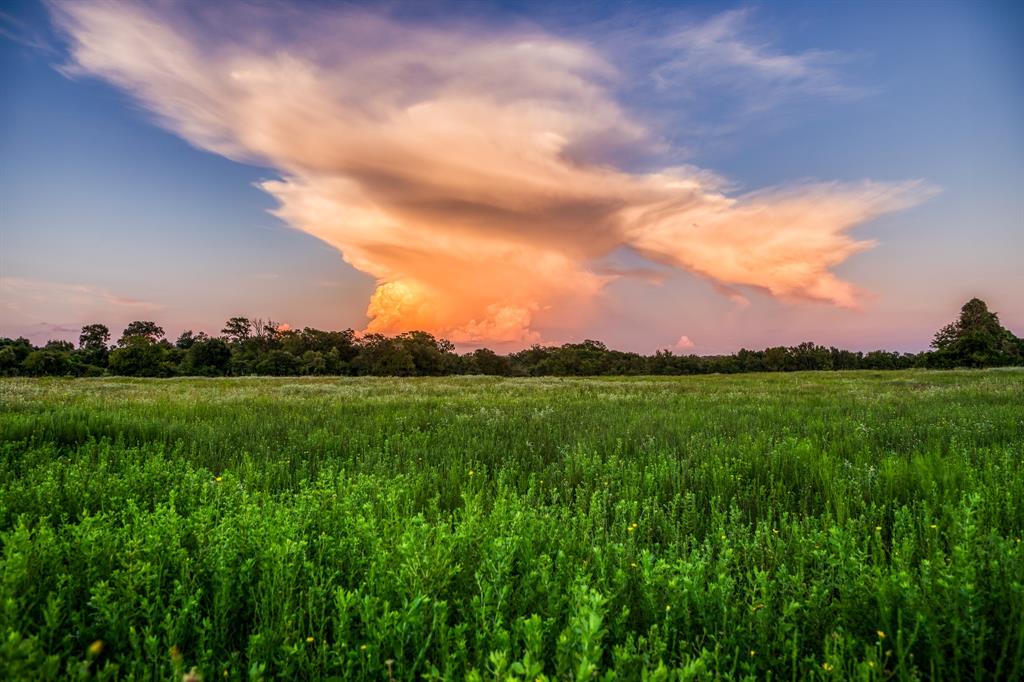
(820, 525)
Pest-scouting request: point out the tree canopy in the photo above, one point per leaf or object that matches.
(262, 347)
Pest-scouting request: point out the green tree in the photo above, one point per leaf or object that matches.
(8, 361)
(141, 328)
(139, 356)
(207, 357)
(278, 363)
(94, 344)
(381, 356)
(47, 363)
(486, 361)
(188, 338)
(976, 339)
(237, 329)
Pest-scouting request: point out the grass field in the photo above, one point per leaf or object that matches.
(817, 525)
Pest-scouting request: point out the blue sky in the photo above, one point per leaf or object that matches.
(113, 209)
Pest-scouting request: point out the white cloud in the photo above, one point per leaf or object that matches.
(684, 343)
(447, 162)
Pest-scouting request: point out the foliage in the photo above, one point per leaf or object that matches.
(976, 339)
(263, 347)
(773, 526)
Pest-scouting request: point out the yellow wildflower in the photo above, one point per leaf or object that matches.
(310, 639)
(362, 647)
(96, 648)
(881, 635)
(826, 666)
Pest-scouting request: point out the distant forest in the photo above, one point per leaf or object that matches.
(259, 347)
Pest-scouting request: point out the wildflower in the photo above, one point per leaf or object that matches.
(96, 648)
(362, 647)
(934, 526)
(881, 635)
(668, 607)
(753, 653)
(310, 639)
(633, 564)
(225, 673)
(775, 530)
(471, 472)
(871, 664)
(878, 529)
(217, 479)
(826, 666)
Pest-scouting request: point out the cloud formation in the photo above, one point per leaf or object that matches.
(722, 53)
(42, 309)
(684, 343)
(449, 162)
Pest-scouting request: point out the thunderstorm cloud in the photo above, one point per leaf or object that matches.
(457, 164)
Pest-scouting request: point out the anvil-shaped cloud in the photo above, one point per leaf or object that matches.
(449, 162)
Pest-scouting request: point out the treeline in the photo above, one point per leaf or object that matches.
(259, 347)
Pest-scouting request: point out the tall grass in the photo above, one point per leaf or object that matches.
(842, 525)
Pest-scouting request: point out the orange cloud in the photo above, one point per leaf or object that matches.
(684, 343)
(445, 162)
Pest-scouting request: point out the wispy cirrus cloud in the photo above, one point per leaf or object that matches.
(26, 295)
(723, 53)
(41, 310)
(451, 162)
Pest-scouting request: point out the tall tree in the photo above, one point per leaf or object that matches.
(976, 339)
(237, 329)
(141, 328)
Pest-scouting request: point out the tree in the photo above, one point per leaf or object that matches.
(486, 361)
(237, 329)
(141, 328)
(208, 357)
(46, 363)
(93, 344)
(381, 356)
(976, 339)
(188, 338)
(8, 362)
(432, 357)
(278, 363)
(139, 356)
(59, 345)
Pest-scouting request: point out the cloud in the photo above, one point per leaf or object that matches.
(28, 306)
(451, 162)
(721, 53)
(31, 295)
(684, 343)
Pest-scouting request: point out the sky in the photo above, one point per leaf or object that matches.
(693, 176)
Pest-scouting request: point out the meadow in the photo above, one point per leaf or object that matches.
(825, 525)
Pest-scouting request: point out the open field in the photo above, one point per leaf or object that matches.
(834, 525)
